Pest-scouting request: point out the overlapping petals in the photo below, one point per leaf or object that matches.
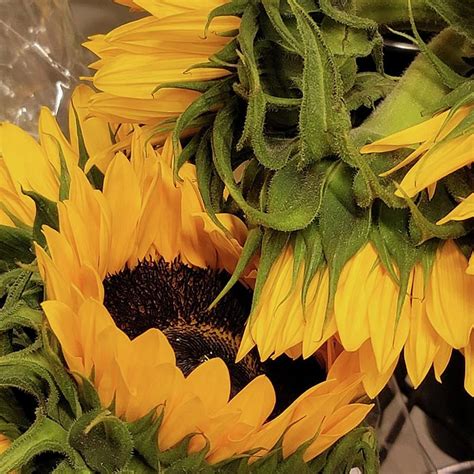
(436, 315)
(198, 403)
(440, 151)
(136, 58)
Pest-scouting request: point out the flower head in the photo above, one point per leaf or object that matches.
(444, 144)
(129, 275)
(163, 47)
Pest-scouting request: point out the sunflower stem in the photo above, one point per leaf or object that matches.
(419, 89)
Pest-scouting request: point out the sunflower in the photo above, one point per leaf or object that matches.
(445, 144)
(436, 316)
(129, 276)
(464, 210)
(137, 57)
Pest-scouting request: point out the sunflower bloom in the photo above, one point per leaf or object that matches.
(142, 222)
(137, 57)
(281, 323)
(438, 153)
(365, 320)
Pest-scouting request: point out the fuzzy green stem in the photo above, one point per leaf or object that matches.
(395, 13)
(419, 89)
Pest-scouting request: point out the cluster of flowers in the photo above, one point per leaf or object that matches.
(115, 199)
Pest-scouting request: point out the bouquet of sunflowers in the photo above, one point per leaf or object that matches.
(219, 264)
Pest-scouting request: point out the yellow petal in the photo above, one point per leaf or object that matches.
(469, 370)
(374, 381)
(429, 129)
(210, 381)
(470, 268)
(165, 104)
(255, 401)
(464, 210)
(125, 209)
(319, 325)
(449, 301)
(442, 359)
(335, 426)
(95, 131)
(27, 163)
(442, 161)
(137, 76)
(352, 299)
(164, 8)
(423, 341)
(388, 331)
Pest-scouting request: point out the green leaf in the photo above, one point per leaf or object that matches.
(103, 440)
(15, 245)
(45, 435)
(344, 227)
(46, 214)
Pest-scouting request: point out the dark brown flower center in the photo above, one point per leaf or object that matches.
(175, 298)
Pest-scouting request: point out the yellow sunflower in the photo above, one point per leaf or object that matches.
(137, 57)
(464, 210)
(143, 230)
(437, 315)
(440, 151)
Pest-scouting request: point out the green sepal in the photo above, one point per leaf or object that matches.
(316, 89)
(448, 76)
(234, 8)
(102, 439)
(88, 396)
(249, 250)
(356, 449)
(44, 436)
(15, 245)
(344, 227)
(177, 459)
(393, 228)
(200, 106)
(210, 186)
(302, 210)
(46, 214)
(314, 256)
(271, 152)
(425, 214)
(273, 11)
(462, 95)
(144, 432)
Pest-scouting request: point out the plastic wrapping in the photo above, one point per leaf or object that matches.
(40, 61)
